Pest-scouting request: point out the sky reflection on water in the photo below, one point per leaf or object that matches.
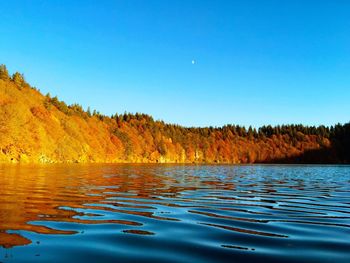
(174, 213)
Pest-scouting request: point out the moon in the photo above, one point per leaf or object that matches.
(193, 62)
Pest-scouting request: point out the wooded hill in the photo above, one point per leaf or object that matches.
(42, 129)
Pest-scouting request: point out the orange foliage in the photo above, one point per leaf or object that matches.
(40, 129)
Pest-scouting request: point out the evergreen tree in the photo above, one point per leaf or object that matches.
(88, 111)
(18, 79)
(4, 74)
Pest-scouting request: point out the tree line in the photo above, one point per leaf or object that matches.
(140, 137)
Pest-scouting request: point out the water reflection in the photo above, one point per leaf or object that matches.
(64, 194)
(178, 213)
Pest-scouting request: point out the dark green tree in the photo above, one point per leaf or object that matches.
(88, 111)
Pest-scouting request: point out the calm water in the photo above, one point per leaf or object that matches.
(139, 213)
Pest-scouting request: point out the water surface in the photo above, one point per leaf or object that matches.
(158, 213)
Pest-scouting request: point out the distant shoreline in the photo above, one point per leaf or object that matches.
(37, 128)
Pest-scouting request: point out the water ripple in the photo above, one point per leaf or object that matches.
(149, 213)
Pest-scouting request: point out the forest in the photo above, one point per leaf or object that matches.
(37, 128)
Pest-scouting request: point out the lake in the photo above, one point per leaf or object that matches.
(174, 213)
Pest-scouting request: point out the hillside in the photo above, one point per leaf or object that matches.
(41, 129)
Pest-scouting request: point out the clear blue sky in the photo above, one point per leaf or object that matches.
(257, 62)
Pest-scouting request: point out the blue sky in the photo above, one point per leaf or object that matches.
(257, 62)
